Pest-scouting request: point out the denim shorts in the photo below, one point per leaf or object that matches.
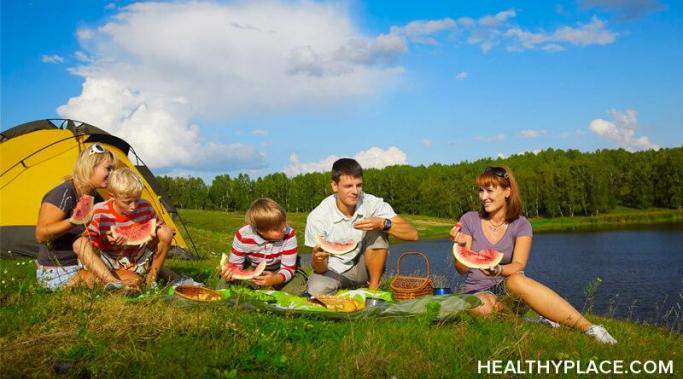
(54, 277)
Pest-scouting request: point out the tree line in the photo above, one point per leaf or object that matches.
(552, 183)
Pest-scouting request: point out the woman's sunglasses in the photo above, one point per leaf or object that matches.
(96, 148)
(497, 171)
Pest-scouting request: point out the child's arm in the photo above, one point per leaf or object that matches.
(288, 258)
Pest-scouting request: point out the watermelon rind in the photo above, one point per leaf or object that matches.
(123, 231)
(328, 247)
(459, 254)
(84, 206)
(240, 274)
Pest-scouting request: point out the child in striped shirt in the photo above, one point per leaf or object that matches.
(129, 264)
(267, 237)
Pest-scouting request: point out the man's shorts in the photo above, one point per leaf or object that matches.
(54, 277)
(357, 276)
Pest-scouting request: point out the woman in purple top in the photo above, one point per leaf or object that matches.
(500, 226)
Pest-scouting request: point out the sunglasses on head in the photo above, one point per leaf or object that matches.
(497, 171)
(96, 148)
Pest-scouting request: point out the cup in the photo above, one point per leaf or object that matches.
(441, 291)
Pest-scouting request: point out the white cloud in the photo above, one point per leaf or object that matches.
(622, 131)
(82, 57)
(498, 18)
(161, 136)
(374, 157)
(593, 33)
(110, 6)
(626, 8)
(427, 142)
(531, 133)
(146, 79)
(494, 138)
(85, 34)
(462, 75)
(54, 59)
(421, 31)
(260, 132)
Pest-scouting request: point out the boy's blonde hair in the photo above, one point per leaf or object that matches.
(125, 182)
(85, 164)
(265, 214)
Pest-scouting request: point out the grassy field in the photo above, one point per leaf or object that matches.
(81, 333)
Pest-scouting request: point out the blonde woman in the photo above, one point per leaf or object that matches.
(499, 225)
(57, 262)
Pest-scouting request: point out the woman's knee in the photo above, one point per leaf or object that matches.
(515, 283)
(165, 234)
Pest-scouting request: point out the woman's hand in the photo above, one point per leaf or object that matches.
(493, 270)
(456, 236)
(268, 279)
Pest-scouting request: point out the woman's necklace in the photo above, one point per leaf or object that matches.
(494, 227)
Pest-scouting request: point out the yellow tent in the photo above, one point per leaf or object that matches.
(37, 156)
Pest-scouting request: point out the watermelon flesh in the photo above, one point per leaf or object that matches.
(239, 273)
(337, 248)
(137, 233)
(479, 260)
(82, 213)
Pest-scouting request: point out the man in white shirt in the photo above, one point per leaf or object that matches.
(351, 214)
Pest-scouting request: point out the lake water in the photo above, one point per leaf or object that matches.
(641, 270)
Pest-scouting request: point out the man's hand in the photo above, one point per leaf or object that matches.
(268, 279)
(369, 224)
(319, 259)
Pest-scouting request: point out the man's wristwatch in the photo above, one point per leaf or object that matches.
(387, 224)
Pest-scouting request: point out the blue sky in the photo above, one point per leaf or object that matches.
(204, 88)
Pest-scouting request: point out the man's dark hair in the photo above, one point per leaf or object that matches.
(346, 166)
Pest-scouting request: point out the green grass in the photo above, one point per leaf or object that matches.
(88, 332)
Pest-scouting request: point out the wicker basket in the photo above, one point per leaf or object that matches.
(409, 287)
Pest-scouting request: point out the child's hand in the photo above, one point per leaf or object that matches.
(118, 241)
(226, 274)
(268, 279)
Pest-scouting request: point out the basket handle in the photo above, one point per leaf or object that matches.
(398, 262)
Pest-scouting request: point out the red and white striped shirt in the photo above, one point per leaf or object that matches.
(279, 255)
(104, 217)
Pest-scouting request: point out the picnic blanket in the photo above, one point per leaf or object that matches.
(437, 308)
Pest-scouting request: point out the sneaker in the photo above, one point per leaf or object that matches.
(544, 321)
(600, 334)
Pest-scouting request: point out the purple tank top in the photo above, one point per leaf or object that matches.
(471, 225)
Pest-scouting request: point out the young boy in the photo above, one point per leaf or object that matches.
(124, 265)
(267, 237)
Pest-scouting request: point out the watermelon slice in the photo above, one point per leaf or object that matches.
(482, 260)
(336, 248)
(82, 213)
(240, 274)
(135, 234)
